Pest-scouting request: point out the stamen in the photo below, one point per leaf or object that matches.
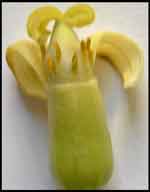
(51, 66)
(74, 63)
(57, 52)
(82, 45)
(84, 50)
(88, 43)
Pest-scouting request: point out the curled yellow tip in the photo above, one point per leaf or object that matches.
(25, 61)
(39, 18)
(79, 15)
(123, 52)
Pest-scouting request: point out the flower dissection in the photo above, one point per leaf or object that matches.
(58, 68)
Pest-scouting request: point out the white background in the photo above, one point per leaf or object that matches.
(24, 124)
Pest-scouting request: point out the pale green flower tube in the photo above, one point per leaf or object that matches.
(80, 145)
